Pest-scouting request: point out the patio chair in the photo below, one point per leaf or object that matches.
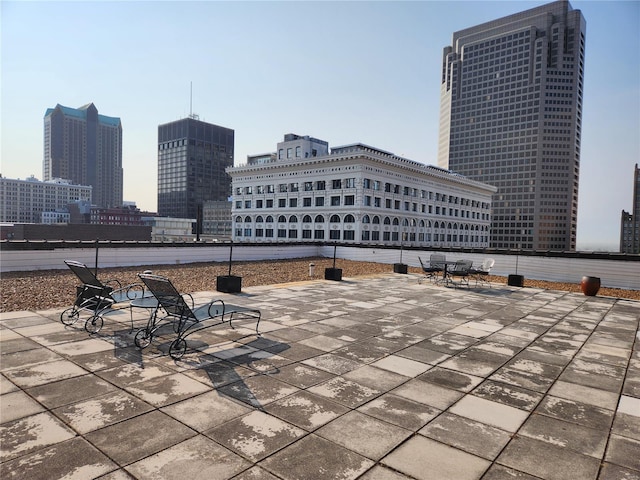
(481, 273)
(97, 297)
(460, 271)
(436, 266)
(185, 316)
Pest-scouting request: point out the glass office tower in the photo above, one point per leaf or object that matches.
(85, 147)
(510, 116)
(192, 158)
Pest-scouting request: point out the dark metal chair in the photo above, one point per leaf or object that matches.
(436, 266)
(481, 273)
(185, 316)
(97, 297)
(460, 271)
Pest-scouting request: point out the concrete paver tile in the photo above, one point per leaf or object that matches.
(592, 396)
(400, 411)
(161, 391)
(623, 451)
(7, 386)
(332, 363)
(70, 390)
(500, 472)
(255, 435)
(302, 376)
(611, 471)
(195, 458)
(28, 434)
(629, 405)
(25, 358)
(585, 440)
(132, 373)
(526, 380)
(363, 434)
(139, 437)
(301, 461)
(349, 393)
(42, 373)
(17, 344)
(626, 426)
(16, 405)
(428, 393)
(258, 391)
(206, 411)
(548, 461)
(402, 366)
(73, 458)
(376, 377)
(508, 394)
(306, 410)
(468, 435)
(426, 459)
(491, 413)
(97, 412)
(255, 473)
(575, 412)
(220, 373)
(381, 473)
(452, 379)
(81, 347)
(422, 354)
(323, 342)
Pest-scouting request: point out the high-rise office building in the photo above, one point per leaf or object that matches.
(510, 116)
(630, 222)
(192, 158)
(85, 147)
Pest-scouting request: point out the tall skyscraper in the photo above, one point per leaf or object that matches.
(85, 147)
(510, 116)
(630, 222)
(192, 158)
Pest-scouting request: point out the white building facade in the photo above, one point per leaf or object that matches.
(30, 200)
(355, 194)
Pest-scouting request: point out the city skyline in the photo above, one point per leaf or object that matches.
(341, 71)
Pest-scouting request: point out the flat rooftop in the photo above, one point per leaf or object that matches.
(387, 377)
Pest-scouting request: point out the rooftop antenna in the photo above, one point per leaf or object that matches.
(191, 114)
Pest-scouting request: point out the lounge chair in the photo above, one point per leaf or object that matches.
(97, 297)
(460, 271)
(185, 316)
(481, 273)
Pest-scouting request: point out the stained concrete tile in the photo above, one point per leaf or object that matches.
(23, 359)
(82, 347)
(346, 392)
(258, 391)
(448, 343)
(104, 360)
(301, 461)
(585, 440)
(323, 342)
(402, 366)
(206, 411)
(592, 396)
(624, 452)
(576, 412)
(139, 437)
(161, 391)
(626, 425)
(451, 379)
(255, 435)
(332, 363)
(525, 380)
(508, 395)
(131, 373)
(298, 352)
(74, 458)
(42, 373)
(220, 374)
(400, 411)
(609, 471)
(500, 472)
(26, 435)
(363, 434)
(381, 473)
(367, 351)
(98, 412)
(255, 473)
(588, 379)
(428, 393)
(306, 410)
(491, 413)
(302, 376)
(70, 390)
(7, 386)
(16, 405)
(424, 355)
(195, 458)
(468, 435)
(547, 461)
(376, 377)
(537, 368)
(17, 344)
(426, 459)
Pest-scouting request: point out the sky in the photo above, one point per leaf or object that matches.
(344, 72)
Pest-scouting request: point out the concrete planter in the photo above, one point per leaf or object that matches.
(515, 280)
(333, 274)
(229, 284)
(400, 268)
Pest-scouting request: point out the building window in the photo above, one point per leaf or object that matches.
(258, 203)
(367, 200)
(350, 183)
(298, 151)
(308, 186)
(289, 152)
(247, 232)
(282, 202)
(282, 188)
(238, 203)
(320, 185)
(293, 202)
(268, 232)
(366, 183)
(270, 203)
(282, 233)
(306, 234)
(366, 235)
(293, 187)
(377, 202)
(259, 232)
(334, 234)
(318, 234)
(319, 201)
(375, 236)
(336, 184)
(306, 202)
(247, 204)
(348, 200)
(293, 233)
(280, 153)
(349, 235)
(335, 201)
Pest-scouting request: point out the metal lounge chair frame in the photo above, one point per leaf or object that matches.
(460, 270)
(186, 317)
(436, 266)
(96, 297)
(481, 273)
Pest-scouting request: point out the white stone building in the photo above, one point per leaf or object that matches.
(355, 194)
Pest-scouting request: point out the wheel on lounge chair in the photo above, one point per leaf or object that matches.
(177, 348)
(94, 324)
(142, 338)
(70, 316)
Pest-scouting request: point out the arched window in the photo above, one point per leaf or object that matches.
(349, 219)
(376, 219)
(387, 221)
(366, 219)
(421, 223)
(396, 221)
(319, 219)
(306, 219)
(238, 219)
(269, 219)
(293, 219)
(405, 222)
(282, 219)
(412, 222)
(334, 219)
(436, 225)
(259, 219)
(449, 225)
(455, 226)
(247, 219)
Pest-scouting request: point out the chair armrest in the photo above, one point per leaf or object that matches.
(190, 297)
(113, 283)
(211, 304)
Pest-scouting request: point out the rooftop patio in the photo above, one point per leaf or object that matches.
(381, 378)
